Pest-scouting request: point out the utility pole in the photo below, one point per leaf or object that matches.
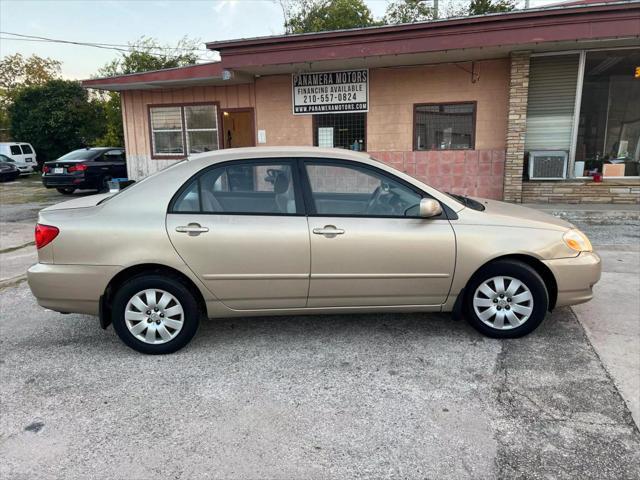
(435, 9)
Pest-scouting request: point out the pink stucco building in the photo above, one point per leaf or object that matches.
(520, 106)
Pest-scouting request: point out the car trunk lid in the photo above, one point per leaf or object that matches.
(80, 202)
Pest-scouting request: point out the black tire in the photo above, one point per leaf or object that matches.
(520, 271)
(162, 282)
(66, 190)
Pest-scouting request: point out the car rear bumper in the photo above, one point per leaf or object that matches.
(70, 288)
(575, 277)
(53, 181)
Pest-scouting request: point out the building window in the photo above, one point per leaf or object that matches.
(444, 126)
(608, 137)
(174, 127)
(340, 130)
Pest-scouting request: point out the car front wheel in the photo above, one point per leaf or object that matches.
(155, 314)
(506, 299)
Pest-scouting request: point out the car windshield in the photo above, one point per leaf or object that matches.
(4, 158)
(467, 202)
(78, 155)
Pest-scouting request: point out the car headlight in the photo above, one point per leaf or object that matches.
(576, 240)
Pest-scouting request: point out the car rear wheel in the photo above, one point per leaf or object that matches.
(506, 299)
(66, 190)
(155, 314)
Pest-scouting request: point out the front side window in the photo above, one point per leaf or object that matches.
(181, 130)
(355, 191)
(241, 188)
(340, 130)
(444, 126)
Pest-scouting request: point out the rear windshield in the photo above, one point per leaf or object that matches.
(134, 185)
(26, 149)
(81, 154)
(4, 158)
(15, 150)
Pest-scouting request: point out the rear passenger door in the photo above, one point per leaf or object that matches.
(28, 155)
(241, 228)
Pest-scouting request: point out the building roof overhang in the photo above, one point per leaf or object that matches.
(590, 25)
(192, 75)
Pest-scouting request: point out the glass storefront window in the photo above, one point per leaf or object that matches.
(608, 139)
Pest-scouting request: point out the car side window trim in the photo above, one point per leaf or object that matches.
(308, 193)
(297, 189)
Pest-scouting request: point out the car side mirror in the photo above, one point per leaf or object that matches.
(429, 208)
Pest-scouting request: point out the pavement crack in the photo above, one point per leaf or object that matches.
(17, 247)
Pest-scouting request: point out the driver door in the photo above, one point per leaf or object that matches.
(368, 247)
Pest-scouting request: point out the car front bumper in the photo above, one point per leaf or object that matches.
(575, 277)
(25, 169)
(70, 288)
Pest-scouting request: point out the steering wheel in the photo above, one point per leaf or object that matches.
(375, 196)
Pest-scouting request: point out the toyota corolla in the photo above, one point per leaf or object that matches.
(291, 231)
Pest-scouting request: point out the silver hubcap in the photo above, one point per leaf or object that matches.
(503, 303)
(154, 316)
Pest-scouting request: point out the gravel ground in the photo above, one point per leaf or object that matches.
(363, 396)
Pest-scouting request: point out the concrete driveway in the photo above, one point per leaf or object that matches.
(368, 396)
(365, 396)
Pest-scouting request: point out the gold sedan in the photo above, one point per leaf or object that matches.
(290, 231)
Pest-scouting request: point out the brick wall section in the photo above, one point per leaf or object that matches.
(609, 191)
(516, 126)
(477, 173)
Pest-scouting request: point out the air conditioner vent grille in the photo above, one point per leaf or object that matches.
(550, 165)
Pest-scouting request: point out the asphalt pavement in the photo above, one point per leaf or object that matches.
(360, 396)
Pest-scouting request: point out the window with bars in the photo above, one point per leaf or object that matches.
(340, 130)
(181, 130)
(444, 126)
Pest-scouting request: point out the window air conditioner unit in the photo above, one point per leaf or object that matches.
(548, 165)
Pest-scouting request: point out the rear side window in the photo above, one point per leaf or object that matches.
(26, 149)
(242, 188)
(15, 150)
(114, 156)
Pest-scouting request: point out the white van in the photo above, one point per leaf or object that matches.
(22, 153)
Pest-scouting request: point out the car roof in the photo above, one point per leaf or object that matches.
(14, 143)
(272, 152)
(98, 149)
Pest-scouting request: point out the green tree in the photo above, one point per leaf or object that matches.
(408, 11)
(144, 55)
(304, 16)
(481, 7)
(16, 72)
(56, 117)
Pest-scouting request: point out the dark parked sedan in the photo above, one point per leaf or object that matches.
(87, 168)
(8, 169)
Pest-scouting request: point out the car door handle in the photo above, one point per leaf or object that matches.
(192, 229)
(328, 230)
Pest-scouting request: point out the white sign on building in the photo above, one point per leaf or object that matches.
(330, 92)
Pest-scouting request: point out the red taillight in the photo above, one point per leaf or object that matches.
(81, 167)
(45, 234)
(45, 169)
